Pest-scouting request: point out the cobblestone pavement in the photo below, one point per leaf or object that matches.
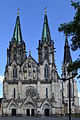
(37, 118)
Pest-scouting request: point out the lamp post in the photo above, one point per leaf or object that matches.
(74, 73)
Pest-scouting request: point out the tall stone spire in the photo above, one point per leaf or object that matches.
(17, 30)
(67, 55)
(46, 45)
(46, 32)
(17, 47)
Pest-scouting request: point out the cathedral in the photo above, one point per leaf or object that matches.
(32, 88)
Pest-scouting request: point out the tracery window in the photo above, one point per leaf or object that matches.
(29, 73)
(14, 72)
(31, 92)
(34, 74)
(25, 75)
(14, 54)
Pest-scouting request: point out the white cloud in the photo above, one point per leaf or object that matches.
(79, 97)
(79, 94)
(1, 79)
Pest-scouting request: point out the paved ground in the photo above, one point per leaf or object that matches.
(37, 118)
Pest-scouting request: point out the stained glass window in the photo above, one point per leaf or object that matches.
(31, 92)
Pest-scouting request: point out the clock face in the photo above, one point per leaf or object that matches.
(31, 92)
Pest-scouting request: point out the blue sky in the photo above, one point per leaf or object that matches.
(31, 18)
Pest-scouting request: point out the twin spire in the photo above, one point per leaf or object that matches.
(45, 36)
(45, 33)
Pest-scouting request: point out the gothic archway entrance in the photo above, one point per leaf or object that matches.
(32, 112)
(28, 112)
(30, 109)
(46, 109)
(13, 112)
(46, 112)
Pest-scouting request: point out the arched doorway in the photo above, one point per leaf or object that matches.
(46, 112)
(30, 110)
(13, 112)
(46, 109)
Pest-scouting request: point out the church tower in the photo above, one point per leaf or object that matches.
(32, 88)
(65, 85)
(17, 47)
(46, 45)
(47, 71)
(16, 56)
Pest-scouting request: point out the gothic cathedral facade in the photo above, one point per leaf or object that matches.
(32, 88)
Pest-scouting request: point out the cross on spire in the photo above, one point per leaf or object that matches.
(18, 11)
(45, 10)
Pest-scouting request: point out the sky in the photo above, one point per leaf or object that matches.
(31, 19)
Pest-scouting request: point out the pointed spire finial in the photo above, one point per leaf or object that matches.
(17, 30)
(66, 40)
(18, 11)
(66, 36)
(45, 10)
(29, 52)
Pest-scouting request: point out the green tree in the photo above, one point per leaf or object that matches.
(72, 29)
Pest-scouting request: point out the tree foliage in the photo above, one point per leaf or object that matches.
(72, 29)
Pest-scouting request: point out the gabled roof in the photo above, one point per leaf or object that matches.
(30, 56)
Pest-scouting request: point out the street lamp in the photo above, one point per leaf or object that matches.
(74, 73)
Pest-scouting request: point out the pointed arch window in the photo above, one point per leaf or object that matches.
(14, 72)
(46, 52)
(47, 92)
(15, 54)
(14, 93)
(46, 72)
